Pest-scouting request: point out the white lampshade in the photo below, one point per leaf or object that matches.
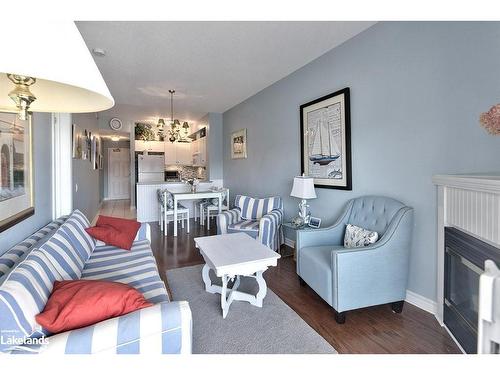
(55, 54)
(303, 188)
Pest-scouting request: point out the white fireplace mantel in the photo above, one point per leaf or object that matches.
(470, 203)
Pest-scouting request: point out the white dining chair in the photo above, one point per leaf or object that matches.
(212, 210)
(165, 212)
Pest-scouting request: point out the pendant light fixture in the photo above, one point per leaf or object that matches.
(41, 78)
(175, 125)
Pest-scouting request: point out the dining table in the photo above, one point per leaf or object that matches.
(194, 195)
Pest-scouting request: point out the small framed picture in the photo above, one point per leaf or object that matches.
(239, 144)
(314, 222)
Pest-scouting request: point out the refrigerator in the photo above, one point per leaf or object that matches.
(151, 168)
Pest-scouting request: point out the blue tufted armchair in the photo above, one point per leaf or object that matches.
(352, 278)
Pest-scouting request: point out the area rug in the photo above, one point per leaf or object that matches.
(274, 329)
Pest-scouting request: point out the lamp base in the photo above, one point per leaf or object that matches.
(304, 211)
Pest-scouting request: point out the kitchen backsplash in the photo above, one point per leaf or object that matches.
(187, 173)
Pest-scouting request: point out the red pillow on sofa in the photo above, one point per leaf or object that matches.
(115, 231)
(80, 303)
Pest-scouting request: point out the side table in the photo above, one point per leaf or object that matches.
(291, 227)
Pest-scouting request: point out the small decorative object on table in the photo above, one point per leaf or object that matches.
(194, 184)
(314, 222)
(303, 188)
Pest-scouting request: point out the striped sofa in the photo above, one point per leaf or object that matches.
(64, 251)
(259, 218)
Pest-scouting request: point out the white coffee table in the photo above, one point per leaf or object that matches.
(231, 256)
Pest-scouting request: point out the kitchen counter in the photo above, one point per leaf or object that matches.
(147, 199)
(170, 182)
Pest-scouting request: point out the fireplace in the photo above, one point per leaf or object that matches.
(464, 263)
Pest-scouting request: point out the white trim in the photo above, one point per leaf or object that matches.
(421, 302)
(290, 243)
(487, 182)
(62, 162)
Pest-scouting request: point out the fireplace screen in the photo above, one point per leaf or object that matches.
(464, 263)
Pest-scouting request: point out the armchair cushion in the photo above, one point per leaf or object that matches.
(249, 227)
(254, 208)
(226, 218)
(316, 271)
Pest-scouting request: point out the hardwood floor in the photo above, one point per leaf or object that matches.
(117, 208)
(371, 330)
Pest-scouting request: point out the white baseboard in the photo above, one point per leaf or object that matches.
(421, 302)
(290, 242)
(413, 298)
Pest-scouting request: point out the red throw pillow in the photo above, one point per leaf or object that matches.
(115, 231)
(80, 303)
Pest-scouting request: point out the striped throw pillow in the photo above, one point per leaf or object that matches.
(12, 257)
(254, 209)
(22, 296)
(70, 247)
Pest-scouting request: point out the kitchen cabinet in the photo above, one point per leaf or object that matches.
(178, 153)
(154, 146)
(199, 150)
(170, 153)
(184, 156)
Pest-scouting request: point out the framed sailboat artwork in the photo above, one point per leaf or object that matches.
(325, 126)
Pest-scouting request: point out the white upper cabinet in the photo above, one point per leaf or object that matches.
(170, 153)
(155, 146)
(199, 150)
(178, 153)
(184, 156)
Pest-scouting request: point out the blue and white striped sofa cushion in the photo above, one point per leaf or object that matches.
(136, 268)
(164, 328)
(254, 208)
(247, 226)
(23, 295)
(12, 257)
(70, 246)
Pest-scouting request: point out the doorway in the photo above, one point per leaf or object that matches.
(118, 173)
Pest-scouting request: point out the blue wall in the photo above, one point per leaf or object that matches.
(42, 170)
(417, 90)
(88, 197)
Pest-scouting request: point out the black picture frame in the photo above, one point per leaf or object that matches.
(344, 183)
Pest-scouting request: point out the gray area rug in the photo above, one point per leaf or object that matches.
(274, 329)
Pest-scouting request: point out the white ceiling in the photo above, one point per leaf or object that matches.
(212, 65)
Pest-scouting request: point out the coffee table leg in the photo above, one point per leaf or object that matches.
(208, 282)
(223, 296)
(259, 298)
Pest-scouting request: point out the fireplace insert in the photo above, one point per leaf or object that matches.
(464, 263)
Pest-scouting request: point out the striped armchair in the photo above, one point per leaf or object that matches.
(259, 218)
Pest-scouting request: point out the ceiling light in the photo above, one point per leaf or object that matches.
(115, 139)
(99, 52)
(38, 79)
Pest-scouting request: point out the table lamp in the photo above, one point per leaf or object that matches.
(303, 188)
